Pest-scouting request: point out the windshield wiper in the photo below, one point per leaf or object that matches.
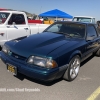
(46, 31)
(66, 34)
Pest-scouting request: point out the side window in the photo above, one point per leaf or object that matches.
(55, 28)
(93, 20)
(17, 19)
(91, 31)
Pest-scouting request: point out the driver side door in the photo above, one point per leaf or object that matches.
(91, 44)
(17, 27)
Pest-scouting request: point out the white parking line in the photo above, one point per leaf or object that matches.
(94, 95)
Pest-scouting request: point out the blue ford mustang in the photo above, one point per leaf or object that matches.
(55, 53)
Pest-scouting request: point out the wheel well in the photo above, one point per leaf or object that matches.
(76, 54)
(79, 55)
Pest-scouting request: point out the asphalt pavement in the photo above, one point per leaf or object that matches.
(24, 88)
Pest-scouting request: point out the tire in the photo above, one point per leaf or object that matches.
(0, 48)
(98, 53)
(73, 69)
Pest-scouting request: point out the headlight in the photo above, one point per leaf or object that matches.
(5, 49)
(43, 62)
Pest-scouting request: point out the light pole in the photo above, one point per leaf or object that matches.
(40, 9)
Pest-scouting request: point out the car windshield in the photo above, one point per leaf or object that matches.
(3, 17)
(82, 19)
(69, 29)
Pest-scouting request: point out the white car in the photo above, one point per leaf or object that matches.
(84, 19)
(14, 24)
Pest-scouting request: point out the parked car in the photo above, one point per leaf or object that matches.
(84, 19)
(14, 24)
(55, 53)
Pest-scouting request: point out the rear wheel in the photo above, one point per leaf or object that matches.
(73, 69)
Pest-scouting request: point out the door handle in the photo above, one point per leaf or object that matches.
(8, 26)
(26, 28)
(1, 34)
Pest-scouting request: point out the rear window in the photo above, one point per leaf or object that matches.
(3, 17)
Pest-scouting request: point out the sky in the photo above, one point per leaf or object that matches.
(72, 7)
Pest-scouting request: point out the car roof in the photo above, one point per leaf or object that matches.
(85, 23)
(8, 11)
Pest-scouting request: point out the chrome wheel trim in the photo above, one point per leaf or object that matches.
(75, 65)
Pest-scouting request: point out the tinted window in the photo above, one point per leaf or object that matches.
(17, 18)
(71, 29)
(91, 31)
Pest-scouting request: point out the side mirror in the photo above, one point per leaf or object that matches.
(89, 38)
(13, 23)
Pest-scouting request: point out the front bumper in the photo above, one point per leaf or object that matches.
(32, 70)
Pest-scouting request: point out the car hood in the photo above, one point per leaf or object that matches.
(39, 44)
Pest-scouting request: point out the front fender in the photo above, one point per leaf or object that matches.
(77, 52)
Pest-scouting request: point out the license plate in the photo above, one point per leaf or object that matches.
(12, 69)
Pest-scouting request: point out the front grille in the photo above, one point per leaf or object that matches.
(18, 56)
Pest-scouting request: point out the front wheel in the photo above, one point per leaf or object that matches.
(73, 69)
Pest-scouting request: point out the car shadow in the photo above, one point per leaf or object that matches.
(22, 77)
(87, 60)
(50, 83)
